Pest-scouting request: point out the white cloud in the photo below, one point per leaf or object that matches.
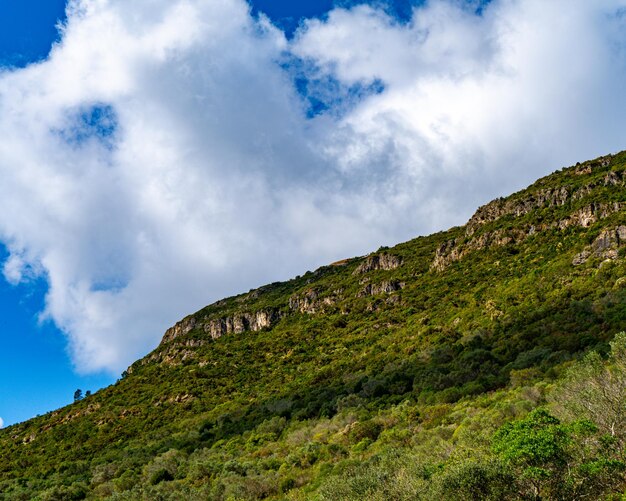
(476, 104)
(363, 43)
(161, 158)
(1, 423)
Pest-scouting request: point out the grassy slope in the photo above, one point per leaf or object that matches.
(240, 415)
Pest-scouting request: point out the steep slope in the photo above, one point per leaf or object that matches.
(269, 392)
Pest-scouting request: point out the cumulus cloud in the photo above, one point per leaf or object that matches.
(162, 157)
(1, 423)
(476, 105)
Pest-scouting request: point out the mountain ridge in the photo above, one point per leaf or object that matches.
(518, 205)
(402, 360)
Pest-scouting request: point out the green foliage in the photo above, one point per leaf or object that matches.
(597, 388)
(488, 480)
(537, 446)
(494, 378)
(533, 442)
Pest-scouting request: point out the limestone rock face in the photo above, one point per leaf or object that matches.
(241, 322)
(543, 198)
(606, 246)
(455, 250)
(305, 302)
(180, 329)
(216, 328)
(311, 301)
(613, 179)
(581, 258)
(385, 287)
(518, 207)
(379, 262)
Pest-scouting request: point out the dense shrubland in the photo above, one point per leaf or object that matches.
(493, 375)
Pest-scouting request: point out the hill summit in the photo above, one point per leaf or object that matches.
(446, 367)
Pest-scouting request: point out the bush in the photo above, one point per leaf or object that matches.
(366, 429)
(477, 480)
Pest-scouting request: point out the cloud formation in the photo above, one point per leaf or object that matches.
(162, 158)
(1, 423)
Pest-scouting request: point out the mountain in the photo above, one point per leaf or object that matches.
(449, 367)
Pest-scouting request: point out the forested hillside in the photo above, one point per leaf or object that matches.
(483, 362)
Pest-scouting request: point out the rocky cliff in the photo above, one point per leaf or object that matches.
(575, 202)
(501, 223)
(309, 300)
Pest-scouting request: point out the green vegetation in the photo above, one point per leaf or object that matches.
(477, 363)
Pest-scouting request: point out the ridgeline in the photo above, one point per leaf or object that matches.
(483, 362)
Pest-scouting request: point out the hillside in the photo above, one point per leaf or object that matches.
(388, 376)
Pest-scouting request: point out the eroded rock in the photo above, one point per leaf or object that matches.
(379, 262)
(311, 301)
(241, 322)
(385, 287)
(454, 250)
(605, 246)
(180, 329)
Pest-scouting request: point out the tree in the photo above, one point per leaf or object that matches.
(536, 447)
(596, 389)
(555, 460)
(78, 395)
(87, 393)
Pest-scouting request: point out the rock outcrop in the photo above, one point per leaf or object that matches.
(241, 322)
(180, 329)
(542, 198)
(217, 327)
(379, 262)
(456, 249)
(385, 287)
(590, 214)
(605, 246)
(517, 207)
(311, 301)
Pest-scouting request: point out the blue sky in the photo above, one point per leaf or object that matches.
(27, 29)
(36, 373)
(170, 153)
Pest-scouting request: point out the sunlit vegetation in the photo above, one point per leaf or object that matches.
(500, 376)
